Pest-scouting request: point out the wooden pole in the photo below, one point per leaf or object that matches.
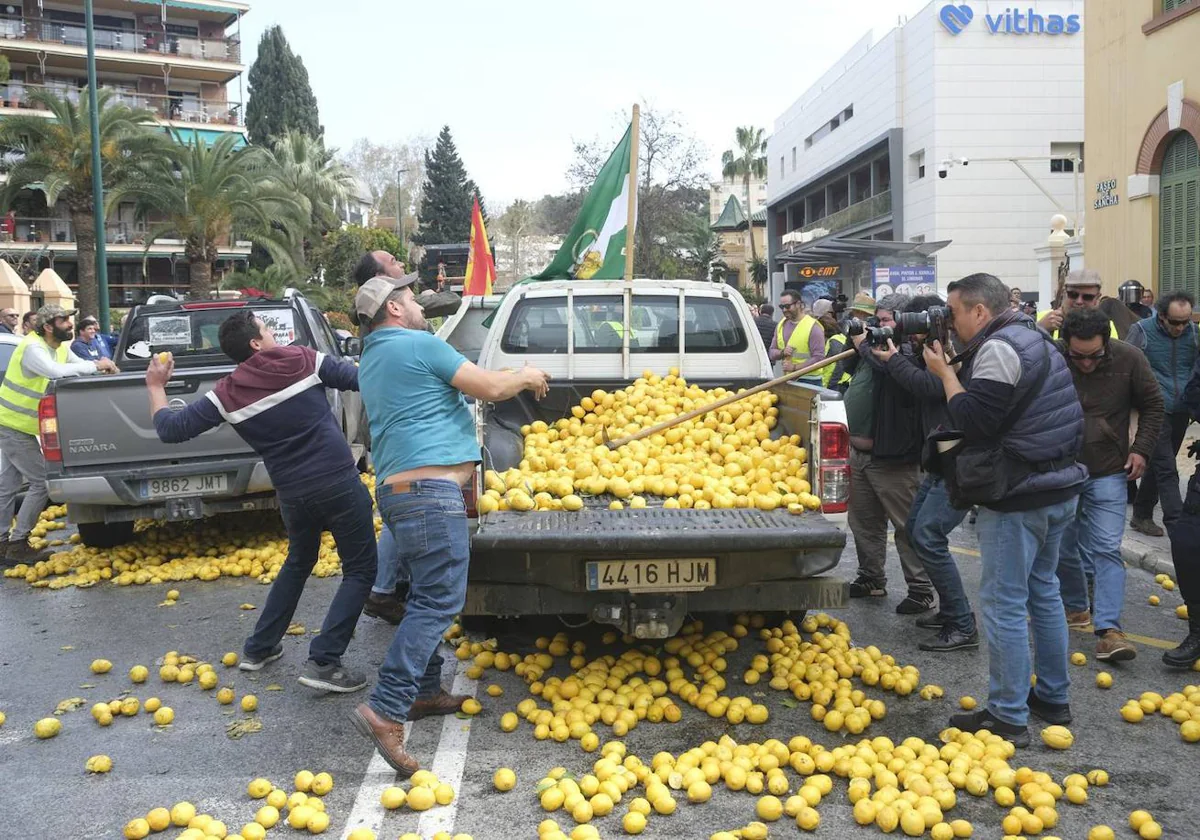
(634, 142)
(724, 401)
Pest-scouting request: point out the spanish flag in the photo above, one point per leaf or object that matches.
(481, 268)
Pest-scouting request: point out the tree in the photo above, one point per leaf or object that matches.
(57, 154)
(515, 224)
(701, 251)
(378, 165)
(556, 213)
(748, 161)
(205, 195)
(281, 99)
(342, 248)
(302, 167)
(447, 196)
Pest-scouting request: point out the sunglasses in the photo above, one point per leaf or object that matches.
(1085, 297)
(783, 305)
(1178, 322)
(1087, 357)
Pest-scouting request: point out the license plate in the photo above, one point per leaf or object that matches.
(188, 485)
(687, 575)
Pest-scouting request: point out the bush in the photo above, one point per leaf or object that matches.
(341, 321)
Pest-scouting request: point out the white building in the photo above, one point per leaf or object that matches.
(872, 156)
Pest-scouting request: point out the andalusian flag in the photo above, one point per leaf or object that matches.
(481, 268)
(595, 247)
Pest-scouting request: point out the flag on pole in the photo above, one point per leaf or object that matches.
(595, 247)
(481, 268)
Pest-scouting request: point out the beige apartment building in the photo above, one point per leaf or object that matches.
(733, 232)
(1142, 113)
(180, 59)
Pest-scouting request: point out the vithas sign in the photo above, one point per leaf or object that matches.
(1012, 21)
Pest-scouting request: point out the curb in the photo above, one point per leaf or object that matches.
(1153, 561)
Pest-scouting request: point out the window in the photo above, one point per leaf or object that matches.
(781, 166)
(848, 113)
(1179, 217)
(793, 158)
(808, 141)
(1172, 5)
(916, 166)
(539, 325)
(192, 333)
(1059, 150)
(834, 123)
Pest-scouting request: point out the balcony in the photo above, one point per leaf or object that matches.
(36, 234)
(15, 95)
(154, 43)
(848, 217)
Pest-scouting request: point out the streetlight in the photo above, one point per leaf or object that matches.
(399, 215)
(97, 177)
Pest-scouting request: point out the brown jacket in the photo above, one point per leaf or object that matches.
(1121, 383)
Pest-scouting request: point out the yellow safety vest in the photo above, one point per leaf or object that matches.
(1112, 328)
(19, 394)
(827, 372)
(619, 329)
(798, 342)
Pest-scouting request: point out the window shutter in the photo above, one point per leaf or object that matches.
(1179, 217)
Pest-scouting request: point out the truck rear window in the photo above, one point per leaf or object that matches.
(193, 333)
(539, 325)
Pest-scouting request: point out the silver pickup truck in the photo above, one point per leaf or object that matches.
(104, 458)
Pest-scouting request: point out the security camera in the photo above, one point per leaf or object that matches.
(943, 169)
(963, 162)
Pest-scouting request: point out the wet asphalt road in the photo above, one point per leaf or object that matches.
(51, 637)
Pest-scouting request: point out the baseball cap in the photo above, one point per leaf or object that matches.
(49, 312)
(821, 307)
(372, 294)
(863, 302)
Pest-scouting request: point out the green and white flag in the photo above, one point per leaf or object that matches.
(595, 246)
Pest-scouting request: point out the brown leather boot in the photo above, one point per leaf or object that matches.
(388, 737)
(442, 703)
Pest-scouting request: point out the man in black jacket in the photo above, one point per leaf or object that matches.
(885, 452)
(932, 517)
(765, 321)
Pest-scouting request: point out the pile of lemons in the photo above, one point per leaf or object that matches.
(724, 459)
(425, 791)
(1183, 707)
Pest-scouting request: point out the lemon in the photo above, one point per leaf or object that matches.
(297, 799)
(1150, 830)
(216, 828)
(1154, 602)
(298, 817)
(1182, 612)
(158, 819)
(504, 779)
(1100, 832)
(259, 788)
(102, 764)
(509, 722)
(962, 828)
(139, 673)
(172, 594)
(101, 666)
(912, 823)
(249, 703)
(303, 781)
(318, 822)
(582, 812)
(421, 798)
(136, 829)
(967, 703)
(208, 680)
(1189, 731)
(225, 696)
(229, 660)
(808, 819)
(361, 834)
(3, 718)
(471, 706)
(392, 798)
(1104, 680)
(164, 716)
(182, 813)
(443, 794)
(941, 831)
(277, 798)
(253, 831)
(267, 816)
(47, 728)
(1078, 658)
(130, 706)
(634, 822)
(1057, 738)
(754, 831)
(1132, 713)
(1099, 778)
(768, 808)
(322, 783)
(1076, 794)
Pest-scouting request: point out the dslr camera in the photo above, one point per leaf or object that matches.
(876, 335)
(933, 324)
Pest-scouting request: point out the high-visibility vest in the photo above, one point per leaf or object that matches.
(1112, 328)
(798, 342)
(827, 371)
(19, 394)
(619, 329)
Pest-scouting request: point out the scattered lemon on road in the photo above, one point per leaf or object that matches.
(139, 673)
(421, 798)
(361, 834)
(967, 703)
(164, 716)
(392, 798)
(1154, 602)
(504, 779)
(277, 798)
(443, 794)
(172, 594)
(159, 819)
(509, 722)
(182, 813)
(1078, 658)
(225, 696)
(1057, 738)
(1104, 680)
(471, 706)
(494, 691)
(99, 764)
(322, 783)
(137, 829)
(249, 703)
(101, 666)
(259, 788)
(267, 816)
(634, 822)
(1100, 832)
(47, 728)
(1182, 612)
(318, 822)
(229, 660)
(304, 780)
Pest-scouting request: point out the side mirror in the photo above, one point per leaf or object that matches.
(351, 346)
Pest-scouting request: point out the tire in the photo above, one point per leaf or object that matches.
(105, 534)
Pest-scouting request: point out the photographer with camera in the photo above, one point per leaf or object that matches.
(1111, 379)
(884, 421)
(1019, 427)
(932, 517)
(1185, 536)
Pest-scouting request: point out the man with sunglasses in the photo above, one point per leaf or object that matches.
(1169, 341)
(1081, 290)
(1111, 380)
(799, 338)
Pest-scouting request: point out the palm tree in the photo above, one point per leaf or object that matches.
(56, 154)
(304, 168)
(748, 161)
(205, 194)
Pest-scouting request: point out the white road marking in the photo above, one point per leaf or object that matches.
(367, 810)
(450, 759)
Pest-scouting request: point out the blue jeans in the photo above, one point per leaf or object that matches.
(1091, 548)
(344, 509)
(929, 525)
(429, 525)
(1019, 555)
(393, 566)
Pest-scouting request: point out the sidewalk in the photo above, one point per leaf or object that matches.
(1154, 553)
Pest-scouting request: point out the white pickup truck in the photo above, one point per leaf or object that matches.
(598, 562)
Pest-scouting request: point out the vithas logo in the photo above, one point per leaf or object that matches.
(956, 18)
(1013, 21)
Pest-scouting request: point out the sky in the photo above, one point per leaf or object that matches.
(519, 81)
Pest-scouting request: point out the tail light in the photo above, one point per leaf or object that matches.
(471, 495)
(835, 467)
(48, 428)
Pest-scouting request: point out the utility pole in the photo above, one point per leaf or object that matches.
(97, 176)
(399, 214)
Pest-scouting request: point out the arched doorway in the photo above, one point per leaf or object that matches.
(1179, 219)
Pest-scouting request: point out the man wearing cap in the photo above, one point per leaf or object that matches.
(433, 303)
(275, 400)
(425, 449)
(43, 355)
(799, 339)
(1080, 289)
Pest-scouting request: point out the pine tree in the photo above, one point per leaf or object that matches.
(447, 196)
(281, 99)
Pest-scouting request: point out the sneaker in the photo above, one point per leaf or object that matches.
(931, 622)
(332, 677)
(982, 719)
(1187, 654)
(18, 552)
(1055, 713)
(949, 639)
(386, 607)
(251, 663)
(1114, 647)
(865, 587)
(1145, 526)
(1078, 620)
(914, 604)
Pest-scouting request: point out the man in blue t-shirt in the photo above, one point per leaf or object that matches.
(425, 449)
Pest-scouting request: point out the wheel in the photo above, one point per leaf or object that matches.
(105, 534)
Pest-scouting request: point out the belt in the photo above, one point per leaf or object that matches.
(400, 486)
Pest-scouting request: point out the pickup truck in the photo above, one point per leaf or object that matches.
(103, 457)
(599, 562)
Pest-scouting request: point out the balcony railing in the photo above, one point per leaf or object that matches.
(16, 95)
(34, 230)
(154, 42)
(862, 211)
